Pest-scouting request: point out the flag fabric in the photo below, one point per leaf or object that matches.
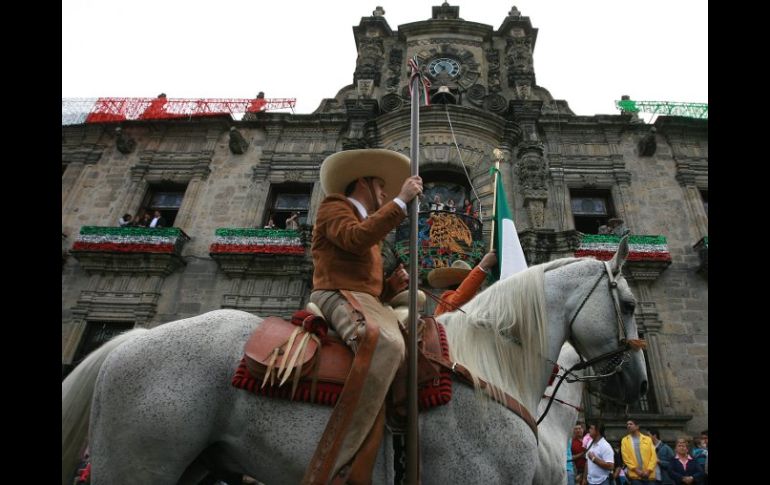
(510, 256)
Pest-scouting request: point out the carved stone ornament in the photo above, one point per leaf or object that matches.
(531, 168)
(536, 212)
(124, 143)
(648, 145)
(238, 143)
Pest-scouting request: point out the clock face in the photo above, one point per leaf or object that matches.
(444, 65)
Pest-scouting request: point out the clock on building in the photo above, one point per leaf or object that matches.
(444, 65)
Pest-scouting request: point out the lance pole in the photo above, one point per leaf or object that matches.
(416, 85)
(494, 203)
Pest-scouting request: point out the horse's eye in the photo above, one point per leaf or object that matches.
(628, 307)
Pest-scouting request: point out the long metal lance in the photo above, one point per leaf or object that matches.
(417, 84)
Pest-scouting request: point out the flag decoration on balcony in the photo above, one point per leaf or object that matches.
(641, 248)
(130, 239)
(257, 241)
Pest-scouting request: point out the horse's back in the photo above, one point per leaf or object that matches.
(165, 391)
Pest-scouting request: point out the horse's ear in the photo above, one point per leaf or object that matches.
(620, 256)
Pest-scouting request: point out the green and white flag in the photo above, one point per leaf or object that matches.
(510, 256)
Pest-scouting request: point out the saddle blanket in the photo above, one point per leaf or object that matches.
(433, 393)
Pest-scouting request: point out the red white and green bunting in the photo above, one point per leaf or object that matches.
(130, 239)
(257, 241)
(641, 248)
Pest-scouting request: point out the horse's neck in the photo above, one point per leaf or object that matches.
(551, 291)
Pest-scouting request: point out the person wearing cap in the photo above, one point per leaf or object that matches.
(354, 218)
(617, 227)
(460, 273)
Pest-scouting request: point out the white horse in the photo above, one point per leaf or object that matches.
(556, 429)
(164, 412)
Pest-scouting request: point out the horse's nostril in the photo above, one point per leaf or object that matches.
(643, 388)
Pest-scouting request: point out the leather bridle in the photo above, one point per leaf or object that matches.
(618, 357)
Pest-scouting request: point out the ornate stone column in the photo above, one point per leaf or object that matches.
(531, 172)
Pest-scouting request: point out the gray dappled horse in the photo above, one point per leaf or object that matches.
(163, 409)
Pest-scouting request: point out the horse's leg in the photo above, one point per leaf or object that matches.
(76, 394)
(161, 398)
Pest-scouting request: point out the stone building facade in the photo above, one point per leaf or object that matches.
(220, 180)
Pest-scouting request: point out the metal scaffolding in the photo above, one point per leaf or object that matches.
(109, 110)
(690, 110)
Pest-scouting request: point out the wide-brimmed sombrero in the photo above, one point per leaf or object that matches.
(446, 277)
(341, 168)
(402, 299)
(400, 304)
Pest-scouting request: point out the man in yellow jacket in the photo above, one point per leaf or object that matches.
(639, 455)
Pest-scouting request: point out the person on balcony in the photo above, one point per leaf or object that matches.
(617, 227)
(293, 221)
(158, 220)
(125, 221)
(437, 205)
(463, 282)
(467, 208)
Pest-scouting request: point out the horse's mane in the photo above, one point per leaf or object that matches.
(503, 334)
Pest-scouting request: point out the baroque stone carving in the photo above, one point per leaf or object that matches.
(518, 58)
(531, 167)
(354, 143)
(124, 143)
(536, 212)
(648, 145)
(394, 67)
(476, 94)
(493, 72)
(391, 102)
(495, 103)
(238, 143)
(371, 50)
(532, 172)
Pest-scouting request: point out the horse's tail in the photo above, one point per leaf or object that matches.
(76, 393)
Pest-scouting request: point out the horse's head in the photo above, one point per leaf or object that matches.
(602, 327)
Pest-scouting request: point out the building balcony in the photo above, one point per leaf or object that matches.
(648, 256)
(257, 241)
(132, 249)
(243, 251)
(443, 237)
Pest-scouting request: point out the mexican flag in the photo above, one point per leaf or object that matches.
(510, 256)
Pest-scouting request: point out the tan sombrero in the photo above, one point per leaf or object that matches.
(402, 299)
(446, 277)
(341, 168)
(400, 304)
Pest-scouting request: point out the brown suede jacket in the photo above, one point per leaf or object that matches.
(346, 250)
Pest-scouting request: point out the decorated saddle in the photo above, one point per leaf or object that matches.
(302, 360)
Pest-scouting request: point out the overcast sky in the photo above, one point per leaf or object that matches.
(588, 52)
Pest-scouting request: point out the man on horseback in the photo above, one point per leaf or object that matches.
(349, 288)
